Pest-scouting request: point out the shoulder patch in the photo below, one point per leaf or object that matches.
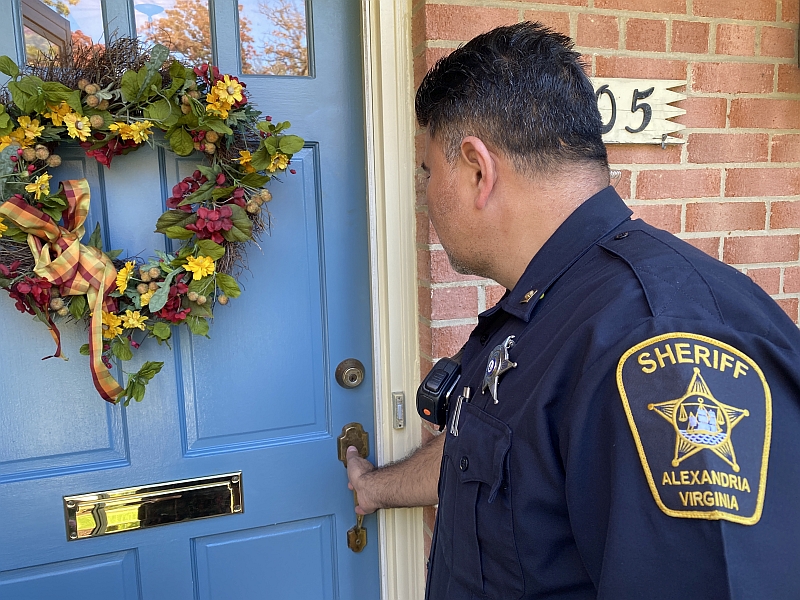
(701, 415)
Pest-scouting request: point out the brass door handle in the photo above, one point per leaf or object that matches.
(353, 434)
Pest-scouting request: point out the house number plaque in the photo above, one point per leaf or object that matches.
(637, 111)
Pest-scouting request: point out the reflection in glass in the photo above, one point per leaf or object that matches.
(37, 45)
(182, 25)
(274, 37)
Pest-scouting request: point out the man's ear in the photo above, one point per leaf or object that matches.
(481, 169)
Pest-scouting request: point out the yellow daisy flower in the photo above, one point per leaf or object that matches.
(3, 227)
(145, 298)
(141, 131)
(228, 90)
(40, 187)
(31, 128)
(5, 142)
(124, 130)
(217, 106)
(57, 113)
(111, 325)
(77, 126)
(200, 266)
(132, 319)
(124, 274)
(19, 138)
(244, 160)
(279, 163)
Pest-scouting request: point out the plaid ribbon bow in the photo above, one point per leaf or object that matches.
(76, 269)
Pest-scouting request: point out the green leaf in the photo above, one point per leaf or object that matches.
(78, 307)
(271, 144)
(254, 180)
(9, 67)
(161, 331)
(174, 218)
(121, 348)
(260, 159)
(129, 86)
(228, 285)
(217, 125)
(74, 101)
(54, 213)
(5, 282)
(84, 350)
(209, 248)
(27, 94)
(176, 69)
(203, 287)
(161, 295)
(149, 370)
(112, 254)
(178, 233)
(209, 173)
(160, 110)
(96, 239)
(291, 144)
(181, 142)
(203, 193)
(197, 325)
(200, 310)
(223, 192)
(242, 230)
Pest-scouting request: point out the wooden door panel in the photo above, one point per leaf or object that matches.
(103, 577)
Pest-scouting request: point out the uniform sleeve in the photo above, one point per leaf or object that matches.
(680, 461)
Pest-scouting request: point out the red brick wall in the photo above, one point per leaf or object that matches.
(733, 189)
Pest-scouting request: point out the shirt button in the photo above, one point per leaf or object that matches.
(484, 339)
(621, 236)
(464, 463)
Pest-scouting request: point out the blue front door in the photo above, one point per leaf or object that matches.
(258, 397)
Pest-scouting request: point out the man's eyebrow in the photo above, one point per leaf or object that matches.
(424, 167)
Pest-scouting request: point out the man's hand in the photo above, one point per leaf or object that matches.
(410, 482)
(358, 470)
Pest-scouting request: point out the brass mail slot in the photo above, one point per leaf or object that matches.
(126, 509)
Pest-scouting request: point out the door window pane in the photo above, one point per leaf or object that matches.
(183, 26)
(274, 36)
(49, 25)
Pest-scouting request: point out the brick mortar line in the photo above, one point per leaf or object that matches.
(689, 57)
(712, 200)
(706, 166)
(456, 284)
(622, 12)
(442, 323)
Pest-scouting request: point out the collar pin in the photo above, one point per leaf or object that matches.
(527, 297)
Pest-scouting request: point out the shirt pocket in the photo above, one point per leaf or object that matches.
(476, 516)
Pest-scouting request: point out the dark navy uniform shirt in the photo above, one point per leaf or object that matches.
(647, 443)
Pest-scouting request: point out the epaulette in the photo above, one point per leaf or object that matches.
(671, 283)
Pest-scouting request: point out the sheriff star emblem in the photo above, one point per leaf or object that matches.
(497, 365)
(689, 400)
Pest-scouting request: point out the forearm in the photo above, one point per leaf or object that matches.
(413, 481)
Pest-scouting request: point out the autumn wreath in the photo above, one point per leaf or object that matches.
(111, 100)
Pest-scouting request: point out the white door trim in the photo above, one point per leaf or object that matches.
(390, 129)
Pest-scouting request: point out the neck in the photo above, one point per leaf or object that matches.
(535, 208)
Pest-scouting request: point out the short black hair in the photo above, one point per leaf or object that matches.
(521, 89)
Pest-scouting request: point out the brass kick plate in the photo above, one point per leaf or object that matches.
(126, 509)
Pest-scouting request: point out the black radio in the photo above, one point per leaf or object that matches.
(433, 394)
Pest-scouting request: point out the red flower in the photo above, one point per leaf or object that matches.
(172, 310)
(31, 292)
(210, 222)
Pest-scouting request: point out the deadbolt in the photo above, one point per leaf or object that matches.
(350, 373)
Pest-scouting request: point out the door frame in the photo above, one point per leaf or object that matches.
(390, 131)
